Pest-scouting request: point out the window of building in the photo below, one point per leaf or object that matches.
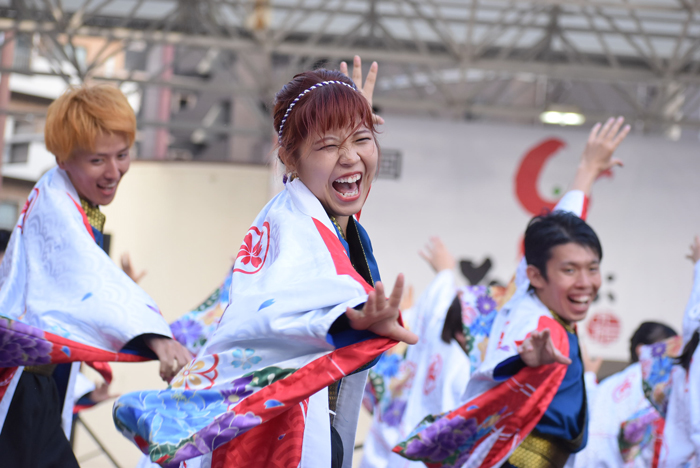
(9, 212)
(19, 153)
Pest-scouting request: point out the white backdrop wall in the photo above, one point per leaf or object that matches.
(458, 182)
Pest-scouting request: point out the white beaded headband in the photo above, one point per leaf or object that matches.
(294, 102)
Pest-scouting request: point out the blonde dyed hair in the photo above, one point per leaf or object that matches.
(75, 120)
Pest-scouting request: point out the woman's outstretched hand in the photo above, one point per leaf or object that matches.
(437, 255)
(367, 89)
(171, 354)
(597, 156)
(694, 254)
(380, 316)
(538, 350)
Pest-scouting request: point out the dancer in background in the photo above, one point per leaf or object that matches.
(616, 400)
(532, 376)
(672, 385)
(430, 378)
(280, 381)
(62, 299)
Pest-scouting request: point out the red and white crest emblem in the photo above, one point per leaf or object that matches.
(434, 372)
(622, 391)
(253, 252)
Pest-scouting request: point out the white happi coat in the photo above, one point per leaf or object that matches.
(511, 324)
(615, 400)
(436, 375)
(55, 279)
(681, 445)
(270, 359)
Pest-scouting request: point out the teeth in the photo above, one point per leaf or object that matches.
(581, 300)
(349, 194)
(349, 179)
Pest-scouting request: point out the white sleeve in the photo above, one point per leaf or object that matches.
(433, 303)
(694, 401)
(591, 382)
(691, 317)
(573, 201)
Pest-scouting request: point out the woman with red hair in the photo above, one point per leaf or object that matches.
(280, 381)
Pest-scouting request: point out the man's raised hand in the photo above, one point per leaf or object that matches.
(538, 350)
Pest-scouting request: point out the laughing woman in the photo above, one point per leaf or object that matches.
(280, 381)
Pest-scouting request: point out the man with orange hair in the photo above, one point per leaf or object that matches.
(62, 300)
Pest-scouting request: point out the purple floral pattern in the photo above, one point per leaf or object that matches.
(394, 412)
(186, 331)
(637, 433)
(223, 429)
(239, 390)
(22, 345)
(441, 439)
(485, 304)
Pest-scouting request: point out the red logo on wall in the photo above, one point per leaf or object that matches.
(529, 173)
(434, 372)
(604, 327)
(253, 252)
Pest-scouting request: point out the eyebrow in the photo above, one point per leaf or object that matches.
(322, 140)
(123, 150)
(568, 263)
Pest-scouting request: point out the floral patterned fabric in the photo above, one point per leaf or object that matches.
(195, 327)
(638, 433)
(657, 363)
(486, 429)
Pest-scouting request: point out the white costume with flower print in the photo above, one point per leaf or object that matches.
(681, 443)
(430, 379)
(256, 395)
(617, 399)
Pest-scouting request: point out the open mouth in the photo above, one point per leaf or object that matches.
(348, 187)
(107, 188)
(583, 300)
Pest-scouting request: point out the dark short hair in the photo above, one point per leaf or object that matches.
(649, 333)
(4, 239)
(556, 228)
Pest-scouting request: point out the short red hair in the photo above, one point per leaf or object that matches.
(325, 108)
(81, 114)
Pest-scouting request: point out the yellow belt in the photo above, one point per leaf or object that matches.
(537, 451)
(45, 369)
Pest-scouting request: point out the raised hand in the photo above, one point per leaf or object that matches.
(694, 254)
(597, 156)
(437, 255)
(171, 354)
(367, 89)
(380, 316)
(129, 269)
(538, 350)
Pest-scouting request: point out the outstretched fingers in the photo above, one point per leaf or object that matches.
(591, 136)
(357, 71)
(397, 292)
(621, 136)
(606, 128)
(560, 358)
